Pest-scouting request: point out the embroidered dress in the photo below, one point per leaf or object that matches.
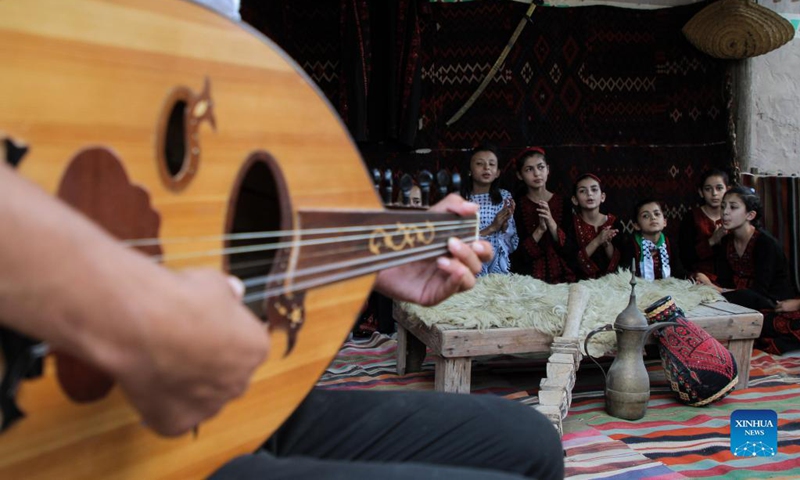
(780, 333)
(696, 254)
(743, 268)
(598, 264)
(543, 259)
(503, 243)
(759, 277)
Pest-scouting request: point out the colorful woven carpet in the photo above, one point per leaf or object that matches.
(671, 441)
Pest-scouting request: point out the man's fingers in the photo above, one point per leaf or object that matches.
(456, 204)
(462, 253)
(237, 286)
(483, 249)
(459, 277)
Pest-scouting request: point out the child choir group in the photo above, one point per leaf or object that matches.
(556, 239)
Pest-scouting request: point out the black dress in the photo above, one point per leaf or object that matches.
(759, 277)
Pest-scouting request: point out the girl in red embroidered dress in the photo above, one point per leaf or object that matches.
(539, 216)
(592, 236)
(750, 264)
(702, 229)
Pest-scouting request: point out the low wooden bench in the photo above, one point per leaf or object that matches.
(454, 348)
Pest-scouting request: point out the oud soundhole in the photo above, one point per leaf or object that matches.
(179, 134)
(175, 145)
(260, 216)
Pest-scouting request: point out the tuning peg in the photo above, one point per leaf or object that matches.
(425, 179)
(443, 179)
(376, 179)
(455, 183)
(406, 184)
(387, 190)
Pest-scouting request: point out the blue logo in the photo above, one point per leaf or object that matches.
(754, 433)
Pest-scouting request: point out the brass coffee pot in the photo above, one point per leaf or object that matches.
(627, 383)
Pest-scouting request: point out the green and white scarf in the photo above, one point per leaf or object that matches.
(647, 247)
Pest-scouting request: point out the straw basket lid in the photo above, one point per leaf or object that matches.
(736, 29)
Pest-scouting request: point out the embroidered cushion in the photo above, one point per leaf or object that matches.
(699, 369)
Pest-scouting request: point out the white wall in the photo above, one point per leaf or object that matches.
(774, 105)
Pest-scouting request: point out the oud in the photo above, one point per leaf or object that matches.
(198, 142)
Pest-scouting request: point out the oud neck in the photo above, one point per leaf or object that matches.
(332, 246)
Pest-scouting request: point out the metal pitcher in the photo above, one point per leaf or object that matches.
(627, 383)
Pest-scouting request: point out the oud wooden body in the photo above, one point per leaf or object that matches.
(80, 74)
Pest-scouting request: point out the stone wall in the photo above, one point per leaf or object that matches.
(774, 105)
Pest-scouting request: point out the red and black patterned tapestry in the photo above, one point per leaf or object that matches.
(617, 92)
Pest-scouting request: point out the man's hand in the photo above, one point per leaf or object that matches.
(197, 354)
(431, 281)
(180, 345)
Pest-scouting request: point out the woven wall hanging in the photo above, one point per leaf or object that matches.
(736, 29)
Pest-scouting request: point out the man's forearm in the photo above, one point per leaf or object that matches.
(56, 275)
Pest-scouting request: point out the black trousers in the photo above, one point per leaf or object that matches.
(338, 434)
(750, 299)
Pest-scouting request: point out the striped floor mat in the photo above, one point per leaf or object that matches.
(593, 455)
(671, 441)
(695, 442)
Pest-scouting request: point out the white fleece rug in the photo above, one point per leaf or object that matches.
(501, 301)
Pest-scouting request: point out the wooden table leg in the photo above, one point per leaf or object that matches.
(410, 352)
(742, 351)
(402, 349)
(453, 374)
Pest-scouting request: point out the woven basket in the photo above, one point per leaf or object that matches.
(736, 29)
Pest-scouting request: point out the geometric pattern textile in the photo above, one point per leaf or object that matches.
(698, 368)
(575, 76)
(617, 92)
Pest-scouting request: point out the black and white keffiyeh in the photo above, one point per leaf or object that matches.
(648, 249)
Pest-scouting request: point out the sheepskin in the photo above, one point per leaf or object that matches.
(502, 301)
